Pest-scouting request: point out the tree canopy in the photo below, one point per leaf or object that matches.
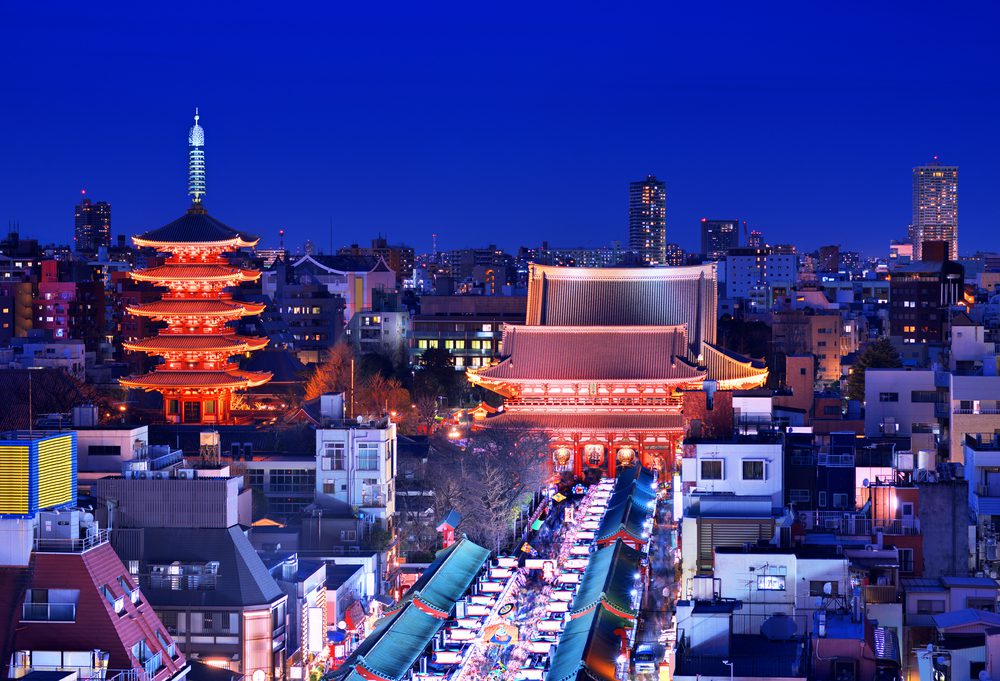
(877, 355)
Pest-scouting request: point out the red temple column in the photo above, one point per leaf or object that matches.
(611, 454)
(577, 458)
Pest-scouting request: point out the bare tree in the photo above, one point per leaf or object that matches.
(487, 481)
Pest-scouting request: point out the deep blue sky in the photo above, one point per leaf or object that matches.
(501, 122)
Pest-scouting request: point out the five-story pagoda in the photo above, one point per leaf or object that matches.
(197, 376)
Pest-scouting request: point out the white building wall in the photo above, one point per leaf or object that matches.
(888, 400)
(733, 456)
(356, 465)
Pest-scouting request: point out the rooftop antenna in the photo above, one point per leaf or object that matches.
(196, 160)
(434, 245)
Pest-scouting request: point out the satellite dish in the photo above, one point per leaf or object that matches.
(259, 675)
(778, 627)
(828, 588)
(865, 483)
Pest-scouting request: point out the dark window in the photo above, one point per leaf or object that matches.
(923, 396)
(711, 470)
(104, 450)
(930, 607)
(753, 470)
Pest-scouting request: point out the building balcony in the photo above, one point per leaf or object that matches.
(878, 593)
(71, 545)
(991, 411)
(848, 523)
(48, 612)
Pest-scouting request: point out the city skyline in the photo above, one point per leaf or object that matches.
(546, 167)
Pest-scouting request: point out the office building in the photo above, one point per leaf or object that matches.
(92, 225)
(935, 207)
(647, 219)
(920, 295)
(718, 236)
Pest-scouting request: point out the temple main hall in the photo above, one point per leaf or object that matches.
(604, 358)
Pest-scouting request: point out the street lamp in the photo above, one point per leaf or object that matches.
(730, 665)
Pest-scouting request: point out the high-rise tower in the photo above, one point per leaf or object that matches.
(92, 225)
(935, 207)
(197, 377)
(647, 219)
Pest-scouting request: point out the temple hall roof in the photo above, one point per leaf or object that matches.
(194, 227)
(625, 296)
(589, 353)
(597, 421)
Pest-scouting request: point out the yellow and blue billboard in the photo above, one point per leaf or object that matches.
(37, 472)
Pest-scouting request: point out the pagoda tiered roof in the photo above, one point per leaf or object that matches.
(645, 354)
(196, 343)
(202, 308)
(196, 228)
(195, 272)
(232, 379)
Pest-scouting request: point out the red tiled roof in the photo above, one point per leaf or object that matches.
(203, 343)
(96, 624)
(178, 272)
(593, 353)
(208, 308)
(165, 378)
(554, 421)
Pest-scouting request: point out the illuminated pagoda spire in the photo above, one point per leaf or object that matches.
(197, 377)
(196, 160)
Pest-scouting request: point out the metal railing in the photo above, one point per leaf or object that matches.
(846, 522)
(959, 410)
(90, 673)
(988, 490)
(71, 545)
(48, 612)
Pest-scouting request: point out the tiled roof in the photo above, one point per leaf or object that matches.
(588, 648)
(625, 296)
(625, 518)
(610, 578)
(195, 226)
(732, 368)
(582, 353)
(965, 617)
(582, 421)
(282, 364)
(195, 379)
(177, 272)
(404, 634)
(96, 624)
(242, 580)
(338, 263)
(211, 308)
(202, 342)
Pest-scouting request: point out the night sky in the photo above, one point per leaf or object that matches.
(500, 122)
